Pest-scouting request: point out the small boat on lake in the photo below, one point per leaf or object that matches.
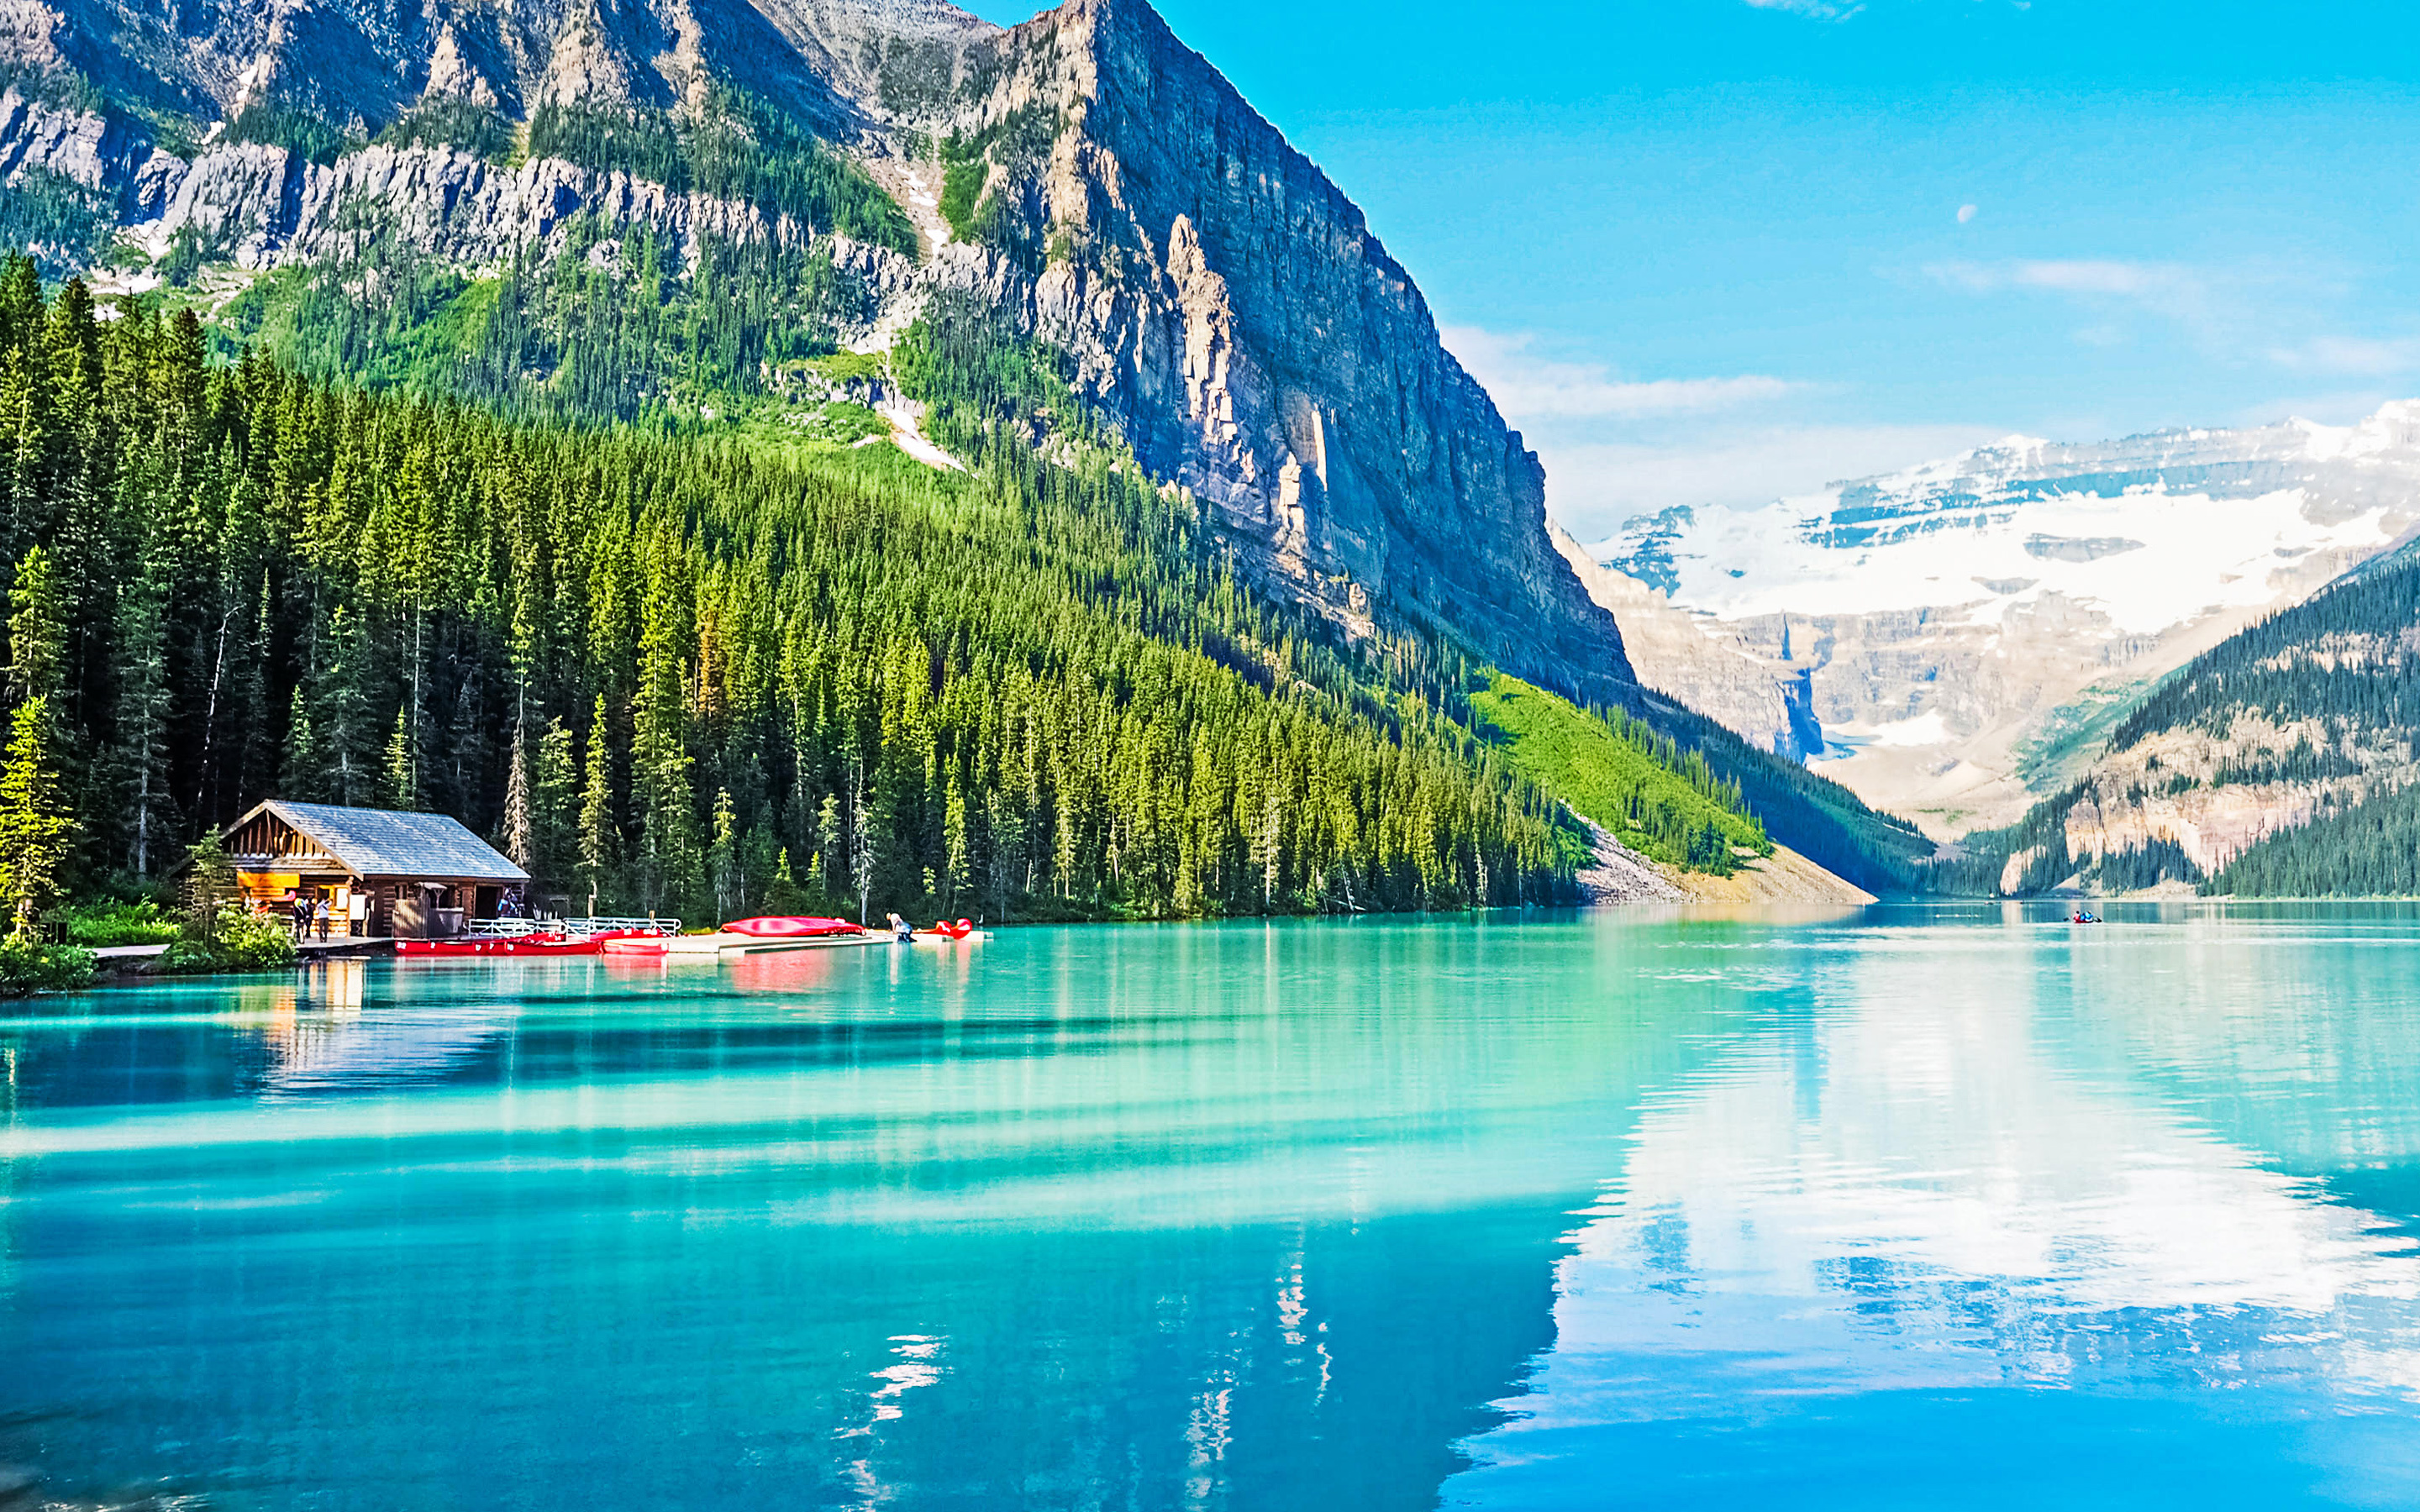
(524, 938)
(748, 937)
(510, 945)
(945, 932)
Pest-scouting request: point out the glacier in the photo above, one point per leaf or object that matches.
(1964, 627)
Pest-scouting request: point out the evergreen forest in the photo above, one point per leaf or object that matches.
(2371, 850)
(678, 673)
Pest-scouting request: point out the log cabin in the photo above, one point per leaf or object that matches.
(384, 873)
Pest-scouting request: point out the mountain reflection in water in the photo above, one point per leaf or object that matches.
(2055, 1221)
(1641, 1208)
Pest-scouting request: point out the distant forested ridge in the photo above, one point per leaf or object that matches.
(2371, 850)
(2309, 720)
(694, 678)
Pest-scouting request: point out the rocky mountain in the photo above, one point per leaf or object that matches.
(1970, 630)
(1703, 663)
(1218, 298)
(755, 214)
(2284, 761)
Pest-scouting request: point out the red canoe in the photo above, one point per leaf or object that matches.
(790, 929)
(521, 944)
(546, 943)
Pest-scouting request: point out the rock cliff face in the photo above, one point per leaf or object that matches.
(1231, 305)
(264, 206)
(1222, 299)
(1766, 700)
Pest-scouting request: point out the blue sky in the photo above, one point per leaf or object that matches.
(1717, 250)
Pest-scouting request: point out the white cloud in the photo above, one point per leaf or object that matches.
(2133, 281)
(2213, 308)
(2367, 356)
(2329, 407)
(2162, 286)
(2252, 309)
(1813, 9)
(1965, 213)
(1528, 387)
(1591, 487)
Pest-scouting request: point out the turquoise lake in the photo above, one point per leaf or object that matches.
(1900, 1208)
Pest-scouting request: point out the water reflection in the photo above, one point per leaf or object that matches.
(1973, 1168)
(1154, 1217)
(1639, 1210)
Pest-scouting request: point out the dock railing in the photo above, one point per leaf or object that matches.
(510, 928)
(501, 927)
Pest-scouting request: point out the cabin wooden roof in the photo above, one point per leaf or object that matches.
(376, 842)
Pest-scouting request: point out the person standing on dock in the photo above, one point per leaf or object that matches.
(319, 913)
(299, 917)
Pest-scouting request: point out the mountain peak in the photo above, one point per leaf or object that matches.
(1086, 177)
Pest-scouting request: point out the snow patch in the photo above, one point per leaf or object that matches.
(907, 418)
(2161, 529)
(1926, 729)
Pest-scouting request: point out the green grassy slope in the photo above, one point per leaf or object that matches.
(1811, 814)
(1656, 799)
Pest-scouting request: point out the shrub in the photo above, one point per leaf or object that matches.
(843, 424)
(26, 968)
(850, 367)
(235, 941)
(962, 187)
(254, 942)
(112, 923)
(306, 136)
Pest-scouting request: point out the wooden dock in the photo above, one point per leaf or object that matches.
(316, 949)
(313, 949)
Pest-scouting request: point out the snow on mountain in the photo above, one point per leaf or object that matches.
(1969, 623)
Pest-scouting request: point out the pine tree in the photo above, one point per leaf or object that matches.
(339, 706)
(303, 761)
(825, 866)
(138, 762)
(599, 844)
(34, 822)
(659, 776)
(863, 851)
(402, 779)
(37, 629)
(210, 884)
(555, 797)
(723, 860)
(520, 816)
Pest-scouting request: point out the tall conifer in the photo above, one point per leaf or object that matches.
(600, 846)
(34, 822)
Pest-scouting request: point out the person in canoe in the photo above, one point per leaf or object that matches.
(2084, 917)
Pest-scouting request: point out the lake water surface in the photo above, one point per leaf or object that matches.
(1904, 1209)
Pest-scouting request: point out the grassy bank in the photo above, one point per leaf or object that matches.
(1663, 802)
